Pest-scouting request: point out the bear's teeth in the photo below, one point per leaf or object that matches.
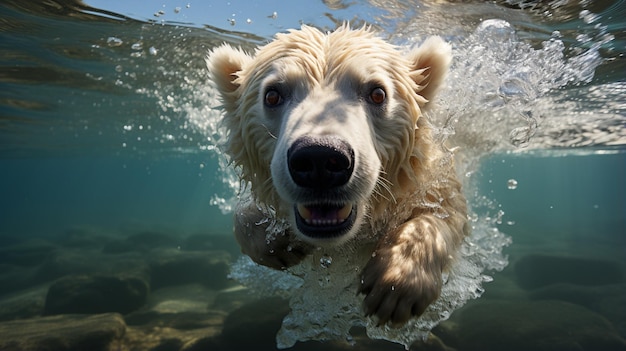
(304, 212)
(321, 222)
(344, 212)
(324, 215)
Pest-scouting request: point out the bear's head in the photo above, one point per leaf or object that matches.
(326, 127)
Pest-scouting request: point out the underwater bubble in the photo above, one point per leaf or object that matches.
(114, 41)
(496, 29)
(137, 46)
(487, 278)
(248, 21)
(153, 51)
(588, 16)
(520, 137)
(583, 38)
(511, 184)
(177, 9)
(499, 217)
(516, 88)
(274, 15)
(326, 261)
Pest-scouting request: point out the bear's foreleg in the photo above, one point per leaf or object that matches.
(277, 251)
(404, 275)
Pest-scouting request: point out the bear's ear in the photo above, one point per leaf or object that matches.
(429, 66)
(225, 64)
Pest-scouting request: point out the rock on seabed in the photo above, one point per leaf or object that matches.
(102, 332)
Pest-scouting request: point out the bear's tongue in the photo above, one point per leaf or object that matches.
(323, 215)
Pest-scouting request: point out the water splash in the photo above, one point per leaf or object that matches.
(325, 306)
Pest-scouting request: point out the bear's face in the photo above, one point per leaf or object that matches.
(323, 126)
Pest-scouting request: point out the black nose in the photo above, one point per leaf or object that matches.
(322, 162)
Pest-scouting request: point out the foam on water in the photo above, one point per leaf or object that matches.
(325, 306)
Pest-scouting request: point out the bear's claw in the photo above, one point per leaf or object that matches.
(397, 299)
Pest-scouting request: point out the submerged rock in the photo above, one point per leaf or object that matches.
(173, 317)
(27, 253)
(607, 300)
(84, 238)
(64, 262)
(588, 296)
(95, 294)
(212, 242)
(14, 278)
(267, 315)
(174, 267)
(141, 242)
(149, 240)
(152, 239)
(68, 262)
(102, 332)
(23, 304)
(534, 271)
(535, 325)
(254, 325)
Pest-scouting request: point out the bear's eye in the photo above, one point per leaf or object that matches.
(273, 98)
(378, 95)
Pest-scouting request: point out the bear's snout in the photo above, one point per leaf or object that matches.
(320, 162)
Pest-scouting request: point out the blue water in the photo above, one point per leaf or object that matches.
(566, 202)
(108, 128)
(49, 195)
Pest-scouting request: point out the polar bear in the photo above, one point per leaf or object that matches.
(328, 130)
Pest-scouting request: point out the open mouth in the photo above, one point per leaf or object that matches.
(323, 220)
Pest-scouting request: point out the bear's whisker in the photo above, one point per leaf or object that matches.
(270, 133)
(384, 184)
